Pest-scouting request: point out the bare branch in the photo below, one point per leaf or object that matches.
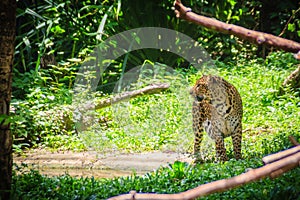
(273, 170)
(253, 36)
(151, 89)
(280, 155)
(293, 140)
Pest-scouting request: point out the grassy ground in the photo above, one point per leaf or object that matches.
(163, 122)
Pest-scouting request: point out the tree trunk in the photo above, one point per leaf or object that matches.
(7, 38)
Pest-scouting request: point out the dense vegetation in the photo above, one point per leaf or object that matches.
(268, 120)
(55, 36)
(172, 179)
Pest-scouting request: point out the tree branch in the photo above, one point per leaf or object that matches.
(293, 80)
(253, 36)
(151, 89)
(278, 167)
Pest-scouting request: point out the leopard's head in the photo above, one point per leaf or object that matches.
(200, 91)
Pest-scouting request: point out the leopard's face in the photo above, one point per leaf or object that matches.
(200, 91)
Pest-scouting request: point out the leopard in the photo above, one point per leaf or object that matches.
(218, 110)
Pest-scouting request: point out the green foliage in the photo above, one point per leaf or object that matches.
(176, 177)
(66, 29)
(38, 121)
(284, 19)
(42, 110)
(55, 79)
(71, 29)
(294, 24)
(64, 187)
(149, 122)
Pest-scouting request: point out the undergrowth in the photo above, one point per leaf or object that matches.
(268, 121)
(176, 177)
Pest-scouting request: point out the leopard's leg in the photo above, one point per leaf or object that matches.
(220, 149)
(198, 140)
(198, 132)
(237, 143)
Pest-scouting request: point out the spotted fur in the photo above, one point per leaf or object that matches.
(217, 110)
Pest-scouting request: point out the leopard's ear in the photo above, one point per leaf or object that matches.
(205, 78)
(213, 79)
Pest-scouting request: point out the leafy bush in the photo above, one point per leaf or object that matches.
(177, 177)
(38, 121)
(65, 29)
(69, 29)
(43, 110)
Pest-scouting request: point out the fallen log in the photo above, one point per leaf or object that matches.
(253, 36)
(282, 170)
(98, 104)
(151, 89)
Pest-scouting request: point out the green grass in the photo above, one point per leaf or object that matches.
(162, 121)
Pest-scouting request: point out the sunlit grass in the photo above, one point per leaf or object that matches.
(163, 121)
(158, 122)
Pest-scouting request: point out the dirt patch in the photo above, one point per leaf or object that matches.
(91, 163)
